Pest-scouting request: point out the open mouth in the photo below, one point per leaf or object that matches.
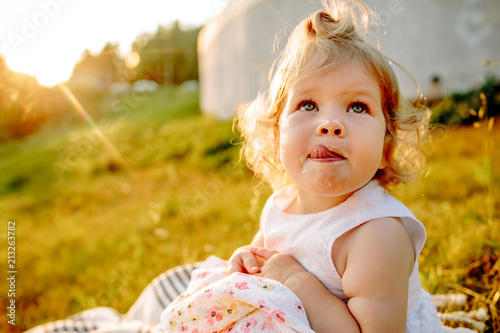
(321, 153)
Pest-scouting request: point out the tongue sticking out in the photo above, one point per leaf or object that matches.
(321, 152)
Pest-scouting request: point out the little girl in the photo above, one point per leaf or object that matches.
(331, 136)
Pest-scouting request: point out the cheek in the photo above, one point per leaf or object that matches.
(283, 143)
(286, 151)
(282, 150)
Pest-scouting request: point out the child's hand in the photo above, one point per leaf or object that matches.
(276, 266)
(243, 261)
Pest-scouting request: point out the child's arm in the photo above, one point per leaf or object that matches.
(243, 260)
(375, 279)
(377, 269)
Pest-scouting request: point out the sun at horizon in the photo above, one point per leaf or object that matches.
(48, 71)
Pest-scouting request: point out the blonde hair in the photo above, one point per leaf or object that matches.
(334, 36)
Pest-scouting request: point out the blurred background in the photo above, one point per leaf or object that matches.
(118, 158)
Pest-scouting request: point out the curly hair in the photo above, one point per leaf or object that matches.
(332, 37)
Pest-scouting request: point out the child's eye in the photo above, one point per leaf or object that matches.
(307, 106)
(358, 108)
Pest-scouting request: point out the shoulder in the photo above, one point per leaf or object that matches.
(385, 234)
(386, 215)
(380, 230)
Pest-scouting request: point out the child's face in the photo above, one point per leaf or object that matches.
(331, 135)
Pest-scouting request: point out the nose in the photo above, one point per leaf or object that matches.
(331, 127)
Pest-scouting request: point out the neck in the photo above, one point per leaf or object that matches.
(307, 203)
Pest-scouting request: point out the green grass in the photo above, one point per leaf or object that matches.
(94, 226)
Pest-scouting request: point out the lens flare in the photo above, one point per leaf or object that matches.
(107, 144)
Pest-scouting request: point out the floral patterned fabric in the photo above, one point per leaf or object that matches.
(144, 315)
(214, 302)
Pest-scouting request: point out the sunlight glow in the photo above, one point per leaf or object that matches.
(48, 70)
(45, 38)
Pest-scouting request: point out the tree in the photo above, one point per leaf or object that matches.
(23, 104)
(96, 72)
(169, 56)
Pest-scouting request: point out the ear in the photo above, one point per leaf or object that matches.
(383, 163)
(276, 148)
(388, 150)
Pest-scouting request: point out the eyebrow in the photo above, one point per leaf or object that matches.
(349, 92)
(361, 92)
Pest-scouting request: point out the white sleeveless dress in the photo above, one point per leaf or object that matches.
(309, 239)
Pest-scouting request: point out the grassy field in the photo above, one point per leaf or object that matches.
(99, 216)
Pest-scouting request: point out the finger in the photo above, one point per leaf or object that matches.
(244, 262)
(250, 262)
(263, 252)
(233, 267)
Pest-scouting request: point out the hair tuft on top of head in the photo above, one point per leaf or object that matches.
(318, 24)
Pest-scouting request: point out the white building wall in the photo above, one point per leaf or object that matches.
(448, 38)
